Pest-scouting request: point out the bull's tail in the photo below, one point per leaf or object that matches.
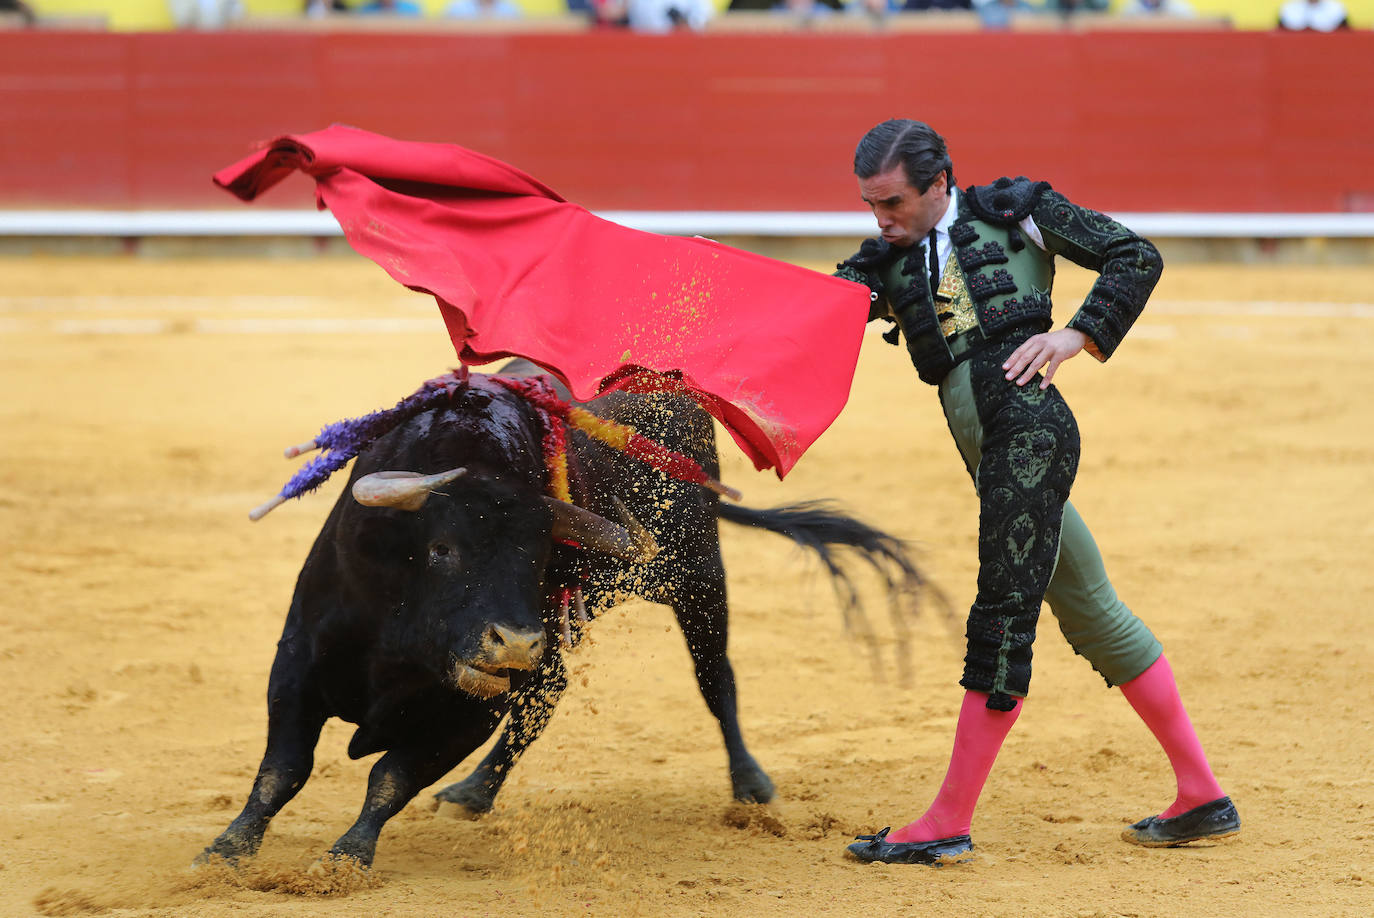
(820, 527)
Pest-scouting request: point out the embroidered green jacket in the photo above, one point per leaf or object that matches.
(1009, 278)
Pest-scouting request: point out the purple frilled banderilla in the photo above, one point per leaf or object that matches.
(343, 440)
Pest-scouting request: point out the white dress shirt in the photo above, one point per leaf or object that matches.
(944, 246)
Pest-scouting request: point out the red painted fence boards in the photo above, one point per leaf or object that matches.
(1145, 122)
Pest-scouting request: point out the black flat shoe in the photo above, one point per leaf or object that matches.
(876, 848)
(1217, 819)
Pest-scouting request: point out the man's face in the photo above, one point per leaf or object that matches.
(904, 215)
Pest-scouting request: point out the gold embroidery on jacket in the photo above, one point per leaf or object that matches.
(952, 301)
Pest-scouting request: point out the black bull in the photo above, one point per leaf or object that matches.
(425, 627)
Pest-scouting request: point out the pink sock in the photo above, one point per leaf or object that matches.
(977, 740)
(1154, 695)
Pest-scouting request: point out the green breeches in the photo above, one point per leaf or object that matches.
(1097, 624)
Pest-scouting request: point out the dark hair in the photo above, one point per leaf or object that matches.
(914, 144)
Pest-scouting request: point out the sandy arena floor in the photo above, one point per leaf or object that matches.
(1227, 472)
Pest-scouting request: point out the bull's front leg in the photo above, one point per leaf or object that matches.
(528, 718)
(703, 614)
(395, 780)
(294, 719)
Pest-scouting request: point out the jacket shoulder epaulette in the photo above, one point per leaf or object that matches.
(1006, 201)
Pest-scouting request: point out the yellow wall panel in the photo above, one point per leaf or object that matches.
(1264, 14)
(125, 15)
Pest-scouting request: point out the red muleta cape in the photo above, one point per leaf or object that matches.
(768, 348)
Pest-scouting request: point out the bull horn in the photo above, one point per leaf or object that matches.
(401, 490)
(644, 539)
(630, 542)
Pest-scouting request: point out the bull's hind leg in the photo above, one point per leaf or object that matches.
(528, 718)
(294, 718)
(703, 615)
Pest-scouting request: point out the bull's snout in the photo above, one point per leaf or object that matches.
(500, 650)
(510, 648)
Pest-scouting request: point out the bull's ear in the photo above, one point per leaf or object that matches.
(381, 537)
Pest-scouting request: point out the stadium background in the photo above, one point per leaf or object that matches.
(154, 14)
(1220, 120)
(151, 380)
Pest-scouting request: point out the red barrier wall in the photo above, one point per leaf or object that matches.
(1206, 121)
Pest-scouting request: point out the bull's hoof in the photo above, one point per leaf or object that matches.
(751, 784)
(229, 849)
(337, 874)
(346, 856)
(472, 798)
(210, 856)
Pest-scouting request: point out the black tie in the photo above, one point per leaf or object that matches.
(934, 263)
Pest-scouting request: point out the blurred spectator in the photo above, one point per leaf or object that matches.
(874, 9)
(390, 8)
(923, 5)
(1178, 9)
(1314, 15)
(482, 9)
(603, 13)
(19, 8)
(204, 14)
(998, 14)
(1069, 7)
(668, 15)
(318, 9)
(803, 10)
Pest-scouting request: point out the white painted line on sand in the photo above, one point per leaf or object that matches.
(316, 326)
(110, 326)
(1260, 308)
(1147, 328)
(141, 302)
(114, 326)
